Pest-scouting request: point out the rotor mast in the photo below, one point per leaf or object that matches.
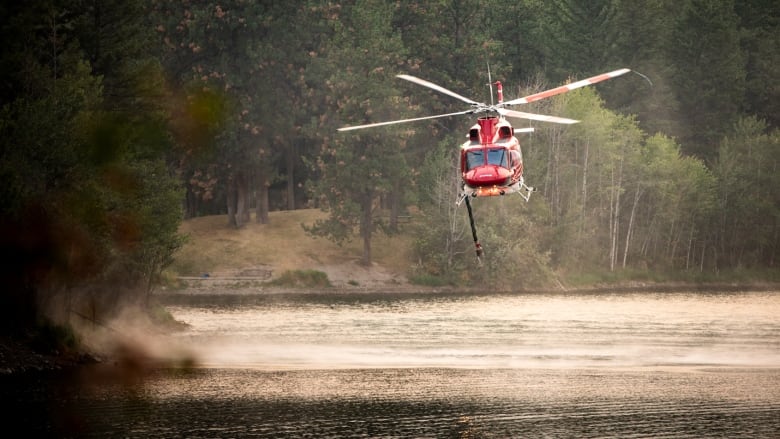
(500, 92)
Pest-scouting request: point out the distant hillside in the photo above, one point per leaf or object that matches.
(264, 251)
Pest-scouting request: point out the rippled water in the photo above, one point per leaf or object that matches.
(525, 365)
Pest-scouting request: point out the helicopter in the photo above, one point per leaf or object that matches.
(491, 160)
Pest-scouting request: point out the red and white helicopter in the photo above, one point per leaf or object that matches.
(491, 161)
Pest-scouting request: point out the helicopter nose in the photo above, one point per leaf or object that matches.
(487, 173)
(491, 175)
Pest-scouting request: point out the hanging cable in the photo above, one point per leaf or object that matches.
(477, 245)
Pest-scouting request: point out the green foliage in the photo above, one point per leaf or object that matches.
(630, 276)
(710, 67)
(759, 41)
(156, 205)
(355, 169)
(615, 197)
(430, 280)
(748, 202)
(591, 21)
(441, 234)
(302, 279)
(83, 150)
(509, 229)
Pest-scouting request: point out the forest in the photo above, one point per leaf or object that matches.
(121, 119)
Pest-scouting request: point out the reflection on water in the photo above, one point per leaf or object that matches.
(550, 365)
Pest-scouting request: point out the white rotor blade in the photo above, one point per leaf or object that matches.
(437, 88)
(567, 87)
(378, 124)
(532, 116)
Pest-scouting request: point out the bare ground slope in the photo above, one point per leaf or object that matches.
(218, 255)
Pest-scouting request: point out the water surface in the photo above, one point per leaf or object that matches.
(447, 365)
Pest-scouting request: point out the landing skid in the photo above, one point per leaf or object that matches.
(525, 191)
(519, 188)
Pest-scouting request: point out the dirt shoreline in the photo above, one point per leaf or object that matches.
(18, 355)
(208, 288)
(350, 277)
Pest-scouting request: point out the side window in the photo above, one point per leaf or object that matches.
(516, 158)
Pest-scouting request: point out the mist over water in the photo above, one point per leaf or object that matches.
(488, 331)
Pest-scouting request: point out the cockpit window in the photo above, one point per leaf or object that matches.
(474, 159)
(497, 157)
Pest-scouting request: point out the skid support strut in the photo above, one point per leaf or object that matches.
(477, 245)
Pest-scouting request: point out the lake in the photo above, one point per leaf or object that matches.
(631, 364)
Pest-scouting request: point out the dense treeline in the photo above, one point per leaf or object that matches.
(90, 206)
(120, 117)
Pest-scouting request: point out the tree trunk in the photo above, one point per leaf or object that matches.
(615, 220)
(291, 177)
(231, 198)
(262, 197)
(395, 206)
(551, 189)
(611, 222)
(242, 201)
(556, 192)
(630, 230)
(690, 249)
(190, 203)
(262, 205)
(584, 202)
(366, 223)
(701, 263)
(671, 239)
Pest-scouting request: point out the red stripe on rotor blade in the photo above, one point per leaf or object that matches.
(574, 85)
(547, 94)
(599, 78)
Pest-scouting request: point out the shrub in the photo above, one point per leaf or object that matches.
(302, 278)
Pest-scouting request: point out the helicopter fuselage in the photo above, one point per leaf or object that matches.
(491, 161)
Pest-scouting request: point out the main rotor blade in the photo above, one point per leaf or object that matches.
(567, 87)
(379, 124)
(437, 88)
(532, 116)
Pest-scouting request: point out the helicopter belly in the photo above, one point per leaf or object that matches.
(491, 190)
(489, 181)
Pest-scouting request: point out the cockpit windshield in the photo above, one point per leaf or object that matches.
(498, 157)
(474, 158)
